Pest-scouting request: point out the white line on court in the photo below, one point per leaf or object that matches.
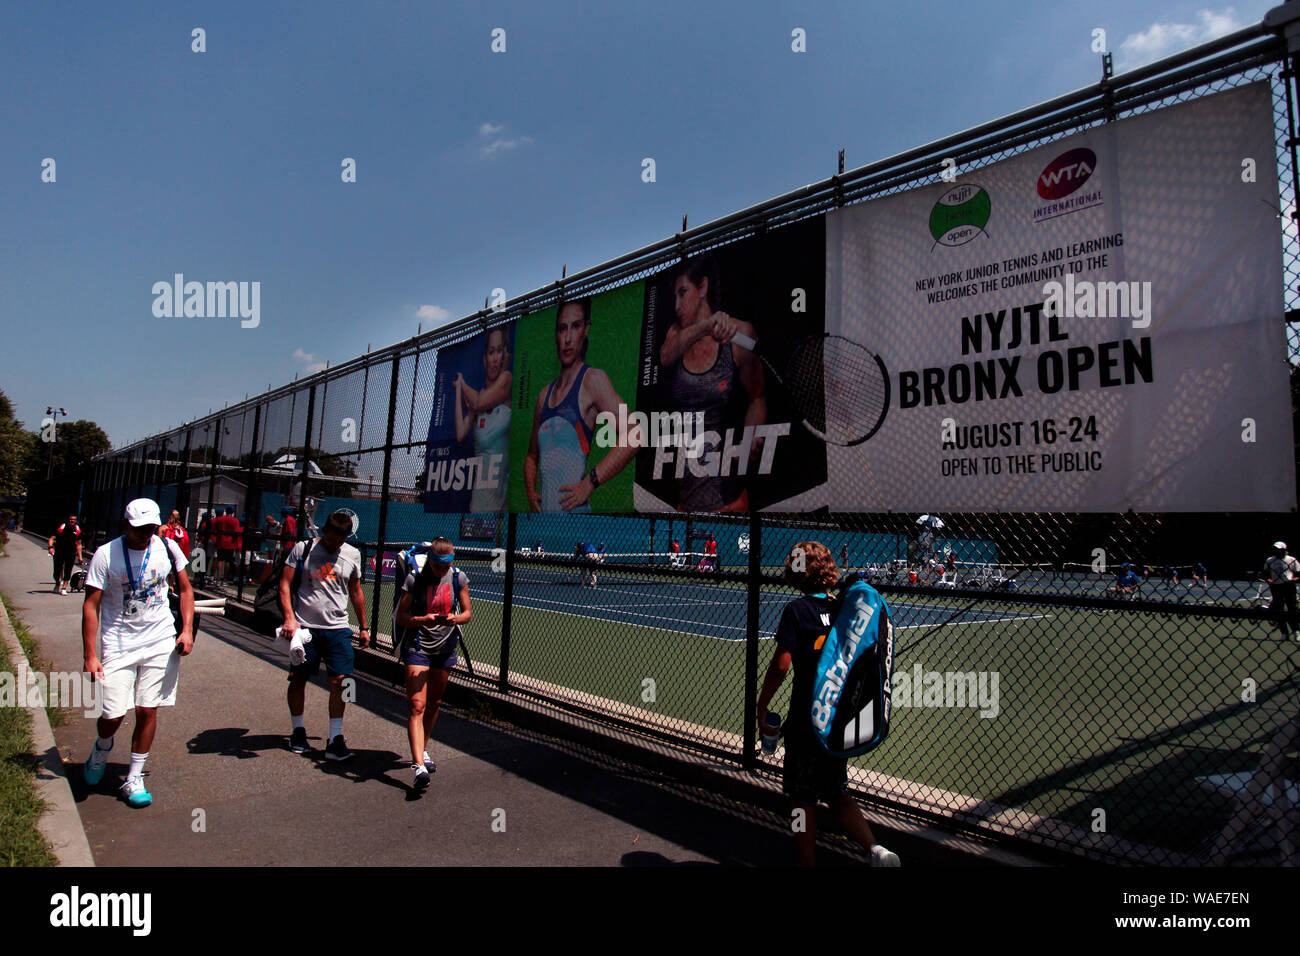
(996, 620)
(762, 635)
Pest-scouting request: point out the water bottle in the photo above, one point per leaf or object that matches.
(771, 732)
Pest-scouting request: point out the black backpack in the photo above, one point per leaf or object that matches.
(268, 615)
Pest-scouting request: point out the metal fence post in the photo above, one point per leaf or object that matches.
(252, 501)
(306, 463)
(382, 535)
(503, 674)
(159, 468)
(749, 757)
(144, 467)
(182, 484)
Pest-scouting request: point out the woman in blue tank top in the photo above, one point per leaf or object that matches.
(556, 474)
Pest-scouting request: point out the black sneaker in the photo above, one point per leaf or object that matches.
(338, 750)
(298, 741)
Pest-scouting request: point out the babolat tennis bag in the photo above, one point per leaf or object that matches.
(853, 681)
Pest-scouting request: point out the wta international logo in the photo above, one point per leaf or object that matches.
(1066, 173)
(1059, 184)
(960, 215)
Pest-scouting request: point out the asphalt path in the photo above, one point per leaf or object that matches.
(228, 791)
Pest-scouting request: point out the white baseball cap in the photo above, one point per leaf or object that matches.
(1279, 545)
(141, 512)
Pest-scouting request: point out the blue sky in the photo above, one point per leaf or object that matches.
(475, 169)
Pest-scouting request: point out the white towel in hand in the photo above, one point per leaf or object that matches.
(297, 645)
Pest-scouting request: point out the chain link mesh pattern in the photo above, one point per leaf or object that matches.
(1033, 702)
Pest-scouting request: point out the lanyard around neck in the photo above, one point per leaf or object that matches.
(126, 556)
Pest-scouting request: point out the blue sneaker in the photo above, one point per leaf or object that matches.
(93, 770)
(429, 765)
(135, 793)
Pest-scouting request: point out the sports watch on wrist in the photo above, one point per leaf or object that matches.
(595, 482)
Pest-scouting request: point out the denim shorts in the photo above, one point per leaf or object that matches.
(412, 656)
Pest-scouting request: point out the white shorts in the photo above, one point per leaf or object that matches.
(144, 678)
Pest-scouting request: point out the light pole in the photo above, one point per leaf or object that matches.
(56, 412)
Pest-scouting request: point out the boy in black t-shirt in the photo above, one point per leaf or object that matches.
(811, 774)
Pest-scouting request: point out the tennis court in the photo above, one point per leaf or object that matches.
(1058, 711)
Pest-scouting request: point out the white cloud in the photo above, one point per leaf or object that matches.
(499, 144)
(1163, 39)
(312, 365)
(432, 313)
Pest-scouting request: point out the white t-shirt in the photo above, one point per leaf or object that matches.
(1283, 568)
(130, 621)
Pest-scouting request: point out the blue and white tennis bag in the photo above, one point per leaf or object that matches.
(853, 681)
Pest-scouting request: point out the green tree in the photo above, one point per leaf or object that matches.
(74, 443)
(15, 448)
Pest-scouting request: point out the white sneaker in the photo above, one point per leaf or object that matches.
(135, 793)
(883, 857)
(429, 765)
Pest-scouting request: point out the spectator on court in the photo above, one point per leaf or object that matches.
(130, 641)
(811, 775)
(540, 549)
(844, 556)
(1282, 571)
(331, 575)
(434, 604)
(65, 547)
(1200, 575)
(174, 531)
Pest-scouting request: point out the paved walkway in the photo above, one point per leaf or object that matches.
(223, 751)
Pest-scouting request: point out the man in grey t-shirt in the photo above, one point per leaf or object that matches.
(331, 575)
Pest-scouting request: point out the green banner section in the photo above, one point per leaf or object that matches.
(572, 363)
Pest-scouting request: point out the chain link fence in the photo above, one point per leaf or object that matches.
(1035, 702)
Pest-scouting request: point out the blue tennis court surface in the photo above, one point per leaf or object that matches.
(705, 610)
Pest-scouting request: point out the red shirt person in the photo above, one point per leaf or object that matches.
(174, 531)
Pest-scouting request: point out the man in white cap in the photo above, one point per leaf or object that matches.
(1282, 571)
(130, 640)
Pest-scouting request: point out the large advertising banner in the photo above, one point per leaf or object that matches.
(468, 464)
(722, 433)
(1096, 325)
(575, 381)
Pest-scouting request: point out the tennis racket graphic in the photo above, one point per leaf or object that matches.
(840, 389)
